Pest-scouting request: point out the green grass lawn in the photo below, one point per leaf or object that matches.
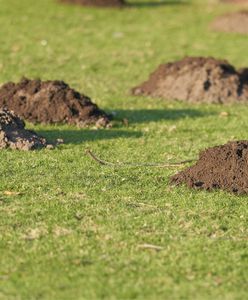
(71, 229)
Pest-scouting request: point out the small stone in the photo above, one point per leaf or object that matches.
(60, 141)
(50, 147)
(224, 114)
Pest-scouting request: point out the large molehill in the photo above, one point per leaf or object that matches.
(197, 80)
(222, 167)
(51, 102)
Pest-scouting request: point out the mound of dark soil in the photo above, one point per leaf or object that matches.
(101, 3)
(14, 135)
(50, 102)
(234, 22)
(222, 167)
(197, 79)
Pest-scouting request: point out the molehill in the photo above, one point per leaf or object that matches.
(14, 135)
(222, 167)
(197, 79)
(235, 1)
(233, 22)
(51, 102)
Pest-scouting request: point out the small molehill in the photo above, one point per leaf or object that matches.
(222, 167)
(196, 80)
(13, 134)
(101, 3)
(50, 102)
(234, 22)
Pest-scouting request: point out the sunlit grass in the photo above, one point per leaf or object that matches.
(71, 229)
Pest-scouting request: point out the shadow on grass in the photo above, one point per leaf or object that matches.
(78, 136)
(156, 115)
(156, 3)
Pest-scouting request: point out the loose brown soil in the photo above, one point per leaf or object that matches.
(234, 22)
(101, 3)
(222, 167)
(50, 102)
(235, 1)
(197, 79)
(14, 135)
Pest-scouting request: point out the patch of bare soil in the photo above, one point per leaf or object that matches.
(234, 22)
(222, 167)
(197, 79)
(51, 102)
(235, 1)
(14, 135)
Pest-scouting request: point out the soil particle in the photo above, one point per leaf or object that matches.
(222, 167)
(233, 22)
(101, 3)
(51, 102)
(197, 79)
(14, 135)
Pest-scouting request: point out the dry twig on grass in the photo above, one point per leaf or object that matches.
(150, 246)
(129, 164)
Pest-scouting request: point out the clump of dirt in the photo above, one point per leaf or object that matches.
(222, 167)
(101, 3)
(234, 22)
(51, 102)
(197, 79)
(14, 135)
